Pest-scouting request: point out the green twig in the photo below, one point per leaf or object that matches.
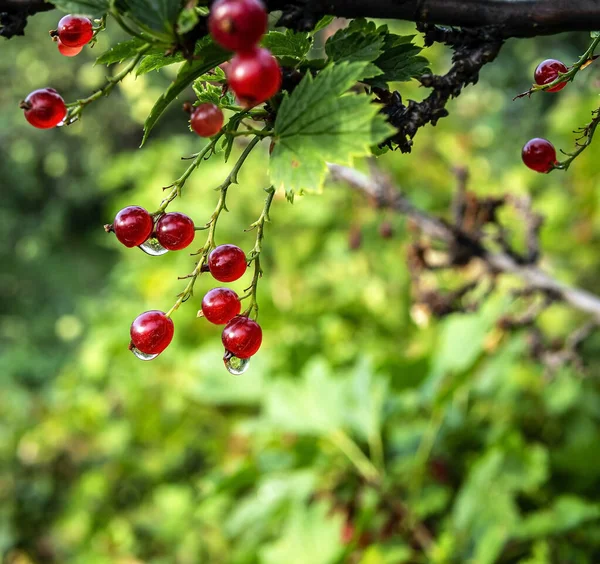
(582, 142)
(254, 255)
(75, 108)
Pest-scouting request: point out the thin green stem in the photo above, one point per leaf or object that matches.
(254, 255)
(358, 458)
(212, 224)
(583, 142)
(568, 76)
(75, 108)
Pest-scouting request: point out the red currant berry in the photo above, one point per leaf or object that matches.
(207, 120)
(227, 263)
(221, 305)
(242, 337)
(44, 108)
(547, 71)
(132, 226)
(539, 154)
(254, 76)
(74, 31)
(151, 332)
(175, 231)
(68, 51)
(237, 25)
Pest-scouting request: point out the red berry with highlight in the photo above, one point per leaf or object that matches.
(75, 31)
(242, 337)
(152, 332)
(132, 226)
(254, 76)
(237, 25)
(221, 305)
(175, 231)
(547, 71)
(207, 120)
(227, 263)
(68, 51)
(44, 108)
(539, 154)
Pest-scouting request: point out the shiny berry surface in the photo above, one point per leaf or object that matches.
(237, 25)
(547, 71)
(68, 51)
(539, 154)
(75, 31)
(206, 120)
(221, 305)
(242, 337)
(175, 231)
(44, 108)
(132, 226)
(227, 263)
(254, 76)
(151, 332)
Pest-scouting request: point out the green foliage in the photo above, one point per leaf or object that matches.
(121, 52)
(289, 47)
(317, 123)
(92, 8)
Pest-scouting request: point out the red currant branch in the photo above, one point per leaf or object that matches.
(254, 255)
(212, 224)
(582, 142)
(564, 77)
(75, 108)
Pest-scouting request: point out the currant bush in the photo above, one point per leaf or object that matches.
(227, 263)
(207, 120)
(44, 108)
(237, 25)
(221, 305)
(132, 226)
(539, 155)
(151, 332)
(66, 50)
(254, 76)
(242, 337)
(74, 31)
(175, 231)
(547, 71)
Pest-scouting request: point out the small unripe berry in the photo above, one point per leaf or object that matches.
(207, 120)
(242, 337)
(74, 31)
(254, 76)
(152, 332)
(227, 263)
(539, 155)
(237, 25)
(66, 50)
(44, 108)
(547, 71)
(175, 231)
(221, 305)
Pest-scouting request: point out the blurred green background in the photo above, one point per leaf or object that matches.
(357, 435)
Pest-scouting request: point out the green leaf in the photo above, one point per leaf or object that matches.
(158, 15)
(210, 57)
(318, 123)
(360, 41)
(211, 93)
(323, 23)
(120, 52)
(399, 62)
(289, 47)
(157, 61)
(92, 8)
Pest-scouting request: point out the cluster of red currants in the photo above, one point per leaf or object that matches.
(72, 34)
(253, 74)
(539, 154)
(152, 331)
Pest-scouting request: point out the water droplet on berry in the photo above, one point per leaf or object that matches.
(152, 247)
(235, 365)
(141, 355)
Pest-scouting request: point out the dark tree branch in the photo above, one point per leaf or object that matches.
(516, 18)
(14, 13)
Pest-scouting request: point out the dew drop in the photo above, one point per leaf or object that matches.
(141, 355)
(235, 365)
(152, 247)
